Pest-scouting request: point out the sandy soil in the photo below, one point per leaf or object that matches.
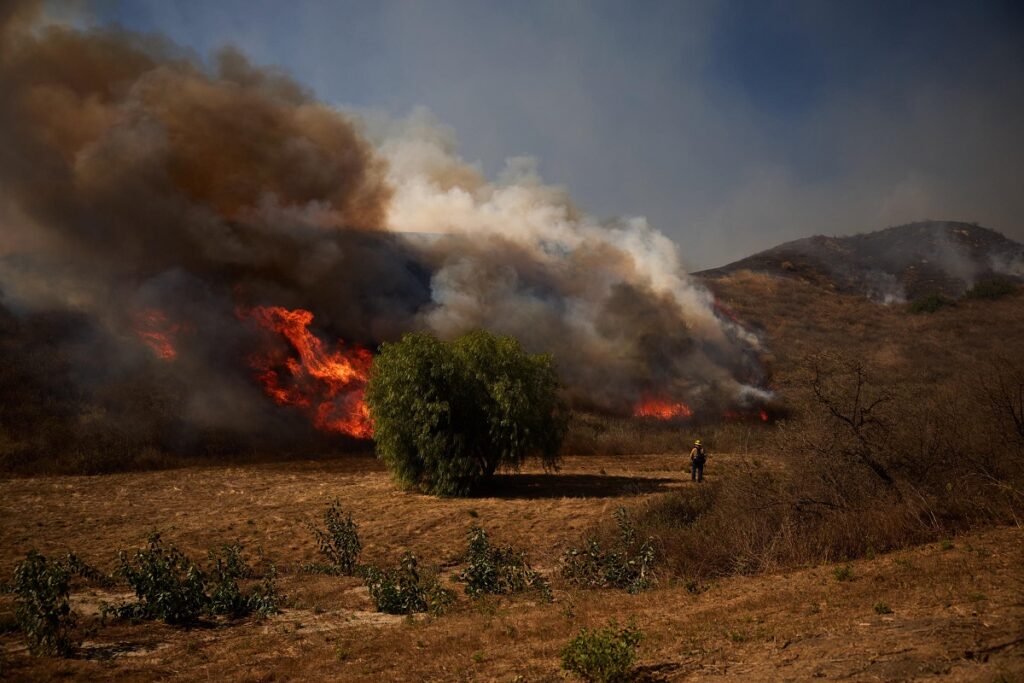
(957, 608)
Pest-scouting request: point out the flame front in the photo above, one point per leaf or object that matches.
(157, 331)
(761, 415)
(662, 409)
(330, 385)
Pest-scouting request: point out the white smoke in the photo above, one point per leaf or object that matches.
(515, 255)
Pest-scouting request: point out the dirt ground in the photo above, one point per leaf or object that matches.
(957, 608)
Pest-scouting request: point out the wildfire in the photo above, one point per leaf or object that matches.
(761, 415)
(157, 331)
(330, 385)
(662, 409)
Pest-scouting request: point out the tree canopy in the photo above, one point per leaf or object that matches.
(446, 415)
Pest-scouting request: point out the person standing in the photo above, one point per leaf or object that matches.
(698, 456)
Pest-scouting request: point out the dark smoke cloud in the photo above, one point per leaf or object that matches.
(142, 191)
(132, 180)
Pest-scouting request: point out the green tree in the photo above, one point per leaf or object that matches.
(446, 415)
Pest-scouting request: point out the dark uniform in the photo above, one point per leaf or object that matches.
(697, 459)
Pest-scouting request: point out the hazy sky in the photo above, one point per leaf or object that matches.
(731, 126)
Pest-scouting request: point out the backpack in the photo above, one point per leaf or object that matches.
(700, 453)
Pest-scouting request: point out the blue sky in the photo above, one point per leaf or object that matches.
(731, 126)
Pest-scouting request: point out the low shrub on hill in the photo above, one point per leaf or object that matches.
(338, 542)
(992, 288)
(930, 303)
(169, 585)
(498, 570)
(406, 590)
(625, 560)
(42, 594)
(173, 588)
(226, 568)
(44, 613)
(604, 655)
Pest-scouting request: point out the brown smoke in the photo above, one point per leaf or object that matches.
(178, 164)
(147, 199)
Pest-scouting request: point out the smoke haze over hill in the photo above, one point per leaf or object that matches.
(896, 264)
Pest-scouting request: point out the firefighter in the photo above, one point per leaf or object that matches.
(698, 456)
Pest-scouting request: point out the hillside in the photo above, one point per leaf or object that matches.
(896, 264)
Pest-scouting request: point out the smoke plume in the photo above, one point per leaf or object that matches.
(158, 202)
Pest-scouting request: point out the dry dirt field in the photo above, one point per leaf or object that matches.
(957, 607)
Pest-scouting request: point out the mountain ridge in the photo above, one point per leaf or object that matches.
(893, 264)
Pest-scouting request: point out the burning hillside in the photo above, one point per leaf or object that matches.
(221, 226)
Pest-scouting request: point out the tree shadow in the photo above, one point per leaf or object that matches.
(555, 485)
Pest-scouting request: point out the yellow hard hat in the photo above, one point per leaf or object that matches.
(697, 442)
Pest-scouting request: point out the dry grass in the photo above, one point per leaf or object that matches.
(268, 504)
(795, 624)
(798, 319)
(591, 434)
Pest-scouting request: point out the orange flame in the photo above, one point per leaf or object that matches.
(761, 414)
(157, 331)
(662, 409)
(330, 385)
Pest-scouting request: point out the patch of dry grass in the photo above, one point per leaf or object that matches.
(799, 623)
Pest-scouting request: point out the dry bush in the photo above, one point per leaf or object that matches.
(621, 560)
(594, 434)
(868, 465)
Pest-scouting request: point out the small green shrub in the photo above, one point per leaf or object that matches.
(993, 288)
(338, 542)
(227, 568)
(404, 590)
(844, 573)
(171, 587)
(930, 303)
(882, 608)
(628, 564)
(263, 598)
(498, 570)
(603, 655)
(44, 613)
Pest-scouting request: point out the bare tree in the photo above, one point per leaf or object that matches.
(856, 405)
